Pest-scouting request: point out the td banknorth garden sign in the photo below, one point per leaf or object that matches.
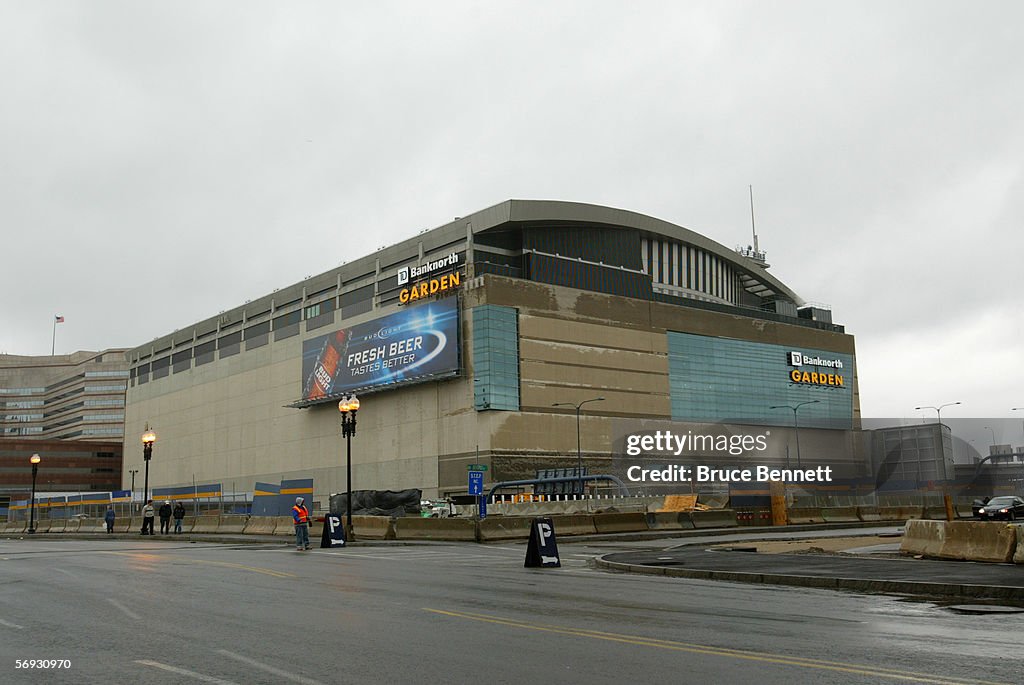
(817, 377)
(437, 285)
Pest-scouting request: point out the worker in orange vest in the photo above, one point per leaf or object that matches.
(300, 514)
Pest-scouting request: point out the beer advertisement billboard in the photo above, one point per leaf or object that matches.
(415, 344)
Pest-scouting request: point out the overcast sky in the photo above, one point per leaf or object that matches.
(162, 162)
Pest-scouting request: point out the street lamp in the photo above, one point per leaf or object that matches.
(938, 409)
(993, 430)
(348, 406)
(34, 459)
(579, 451)
(796, 424)
(148, 438)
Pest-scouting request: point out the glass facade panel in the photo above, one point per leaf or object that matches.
(719, 379)
(495, 358)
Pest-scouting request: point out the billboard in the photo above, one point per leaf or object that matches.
(415, 344)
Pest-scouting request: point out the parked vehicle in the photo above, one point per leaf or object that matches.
(441, 508)
(1007, 508)
(978, 504)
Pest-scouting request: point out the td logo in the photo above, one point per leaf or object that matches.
(403, 275)
(796, 359)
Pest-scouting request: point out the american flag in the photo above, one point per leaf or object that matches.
(58, 319)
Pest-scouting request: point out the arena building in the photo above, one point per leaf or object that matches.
(474, 342)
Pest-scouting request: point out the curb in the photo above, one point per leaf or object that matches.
(905, 587)
(242, 538)
(213, 538)
(732, 530)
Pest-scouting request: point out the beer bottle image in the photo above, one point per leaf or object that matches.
(321, 378)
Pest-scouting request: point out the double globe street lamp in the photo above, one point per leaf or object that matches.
(348, 406)
(34, 460)
(148, 438)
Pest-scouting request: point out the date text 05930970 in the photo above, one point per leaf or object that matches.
(42, 663)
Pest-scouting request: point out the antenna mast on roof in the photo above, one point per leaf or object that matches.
(753, 228)
(753, 252)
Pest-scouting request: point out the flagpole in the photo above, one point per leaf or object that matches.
(53, 342)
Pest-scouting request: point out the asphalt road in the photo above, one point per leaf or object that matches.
(162, 612)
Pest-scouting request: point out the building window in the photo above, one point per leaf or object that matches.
(495, 358)
(736, 381)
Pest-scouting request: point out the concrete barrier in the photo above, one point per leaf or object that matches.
(56, 526)
(907, 513)
(923, 538)
(72, 525)
(804, 515)
(374, 527)
(285, 525)
(260, 525)
(839, 514)
(620, 523)
(573, 524)
(716, 518)
(134, 525)
(979, 541)
(231, 524)
(667, 520)
(934, 513)
(419, 528)
(316, 530)
(205, 524)
(869, 513)
(495, 528)
(16, 526)
(187, 524)
(1018, 554)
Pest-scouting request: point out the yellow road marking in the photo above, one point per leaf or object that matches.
(718, 651)
(227, 564)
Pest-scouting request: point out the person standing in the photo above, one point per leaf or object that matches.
(165, 518)
(108, 518)
(179, 514)
(147, 518)
(300, 515)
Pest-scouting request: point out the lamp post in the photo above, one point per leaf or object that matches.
(1018, 409)
(942, 442)
(938, 409)
(796, 424)
(348, 406)
(148, 438)
(579, 451)
(993, 431)
(34, 459)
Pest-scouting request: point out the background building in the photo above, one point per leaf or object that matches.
(48, 404)
(66, 466)
(78, 396)
(461, 340)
